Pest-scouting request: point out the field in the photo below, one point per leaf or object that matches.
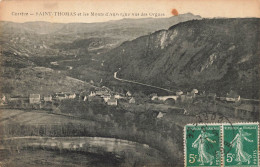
(36, 117)
(41, 123)
(136, 122)
(51, 158)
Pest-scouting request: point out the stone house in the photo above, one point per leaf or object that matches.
(132, 100)
(71, 96)
(195, 91)
(34, 98)
(47, 98)
(106, 97)
(179, 92)
(232, 97)
(61, 96)
(128, 93)
(112, 102)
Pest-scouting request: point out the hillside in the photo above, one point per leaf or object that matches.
(215, 55)
(20, 76)
(47, 39)
(27, 46)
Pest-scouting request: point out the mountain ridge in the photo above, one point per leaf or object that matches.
(81, 27)
(210, 54)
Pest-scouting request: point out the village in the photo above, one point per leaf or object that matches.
(178, 102)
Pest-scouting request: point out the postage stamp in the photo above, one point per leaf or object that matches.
(202, 145)
(240, 144)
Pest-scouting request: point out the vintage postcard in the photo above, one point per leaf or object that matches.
(158, 83)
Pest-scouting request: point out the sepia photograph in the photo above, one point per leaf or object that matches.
(113, 83)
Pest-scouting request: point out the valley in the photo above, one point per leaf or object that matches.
(119, 93)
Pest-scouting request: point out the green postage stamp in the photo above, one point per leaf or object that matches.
(202, 145)
(221, 145)
(240, 143)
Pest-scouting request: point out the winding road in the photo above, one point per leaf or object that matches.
(129, 81)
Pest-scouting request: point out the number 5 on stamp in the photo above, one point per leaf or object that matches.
(241, 145)
(202, 145)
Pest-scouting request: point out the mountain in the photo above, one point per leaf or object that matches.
(121, 27)
(46, 35)
(215, 55)
(38, 27)
(29, 49)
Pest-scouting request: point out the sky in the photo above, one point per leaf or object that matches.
(65, 11)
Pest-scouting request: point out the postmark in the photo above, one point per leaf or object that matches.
(216, 118)
(242, 148)
(202, 145)
(211, 117)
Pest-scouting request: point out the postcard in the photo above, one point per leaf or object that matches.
(129, 83)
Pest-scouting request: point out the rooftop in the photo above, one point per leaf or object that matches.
(34, 96)
(111, 100)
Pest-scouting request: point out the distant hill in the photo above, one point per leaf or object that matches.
(57, 35)
(215, 55)
(117, 27)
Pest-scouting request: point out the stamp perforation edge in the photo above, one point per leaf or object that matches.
(184, 144)
(222, 146)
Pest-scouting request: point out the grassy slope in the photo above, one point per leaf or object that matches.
(20, 76)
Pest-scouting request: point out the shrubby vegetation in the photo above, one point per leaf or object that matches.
(100, 120)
